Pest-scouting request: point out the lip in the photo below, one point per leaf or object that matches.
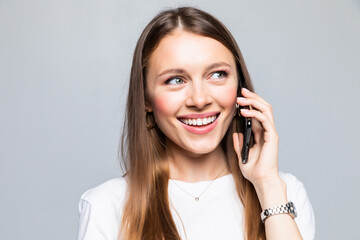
(200, 129)
(198, 115)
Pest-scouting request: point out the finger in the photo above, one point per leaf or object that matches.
(251, 95)
(238, 142)
(265, 122)
(258, 131)
(248, 94)
(257, 105)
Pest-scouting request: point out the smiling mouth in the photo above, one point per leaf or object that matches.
(199, 121)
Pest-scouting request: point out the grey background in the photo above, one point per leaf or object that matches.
(64, 67)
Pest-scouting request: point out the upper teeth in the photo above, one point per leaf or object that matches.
(198, 121)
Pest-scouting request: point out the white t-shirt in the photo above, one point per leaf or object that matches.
(217, 215)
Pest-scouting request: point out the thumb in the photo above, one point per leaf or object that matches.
(238, 143)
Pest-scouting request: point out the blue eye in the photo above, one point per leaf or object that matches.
(220, 74)
(174, 81)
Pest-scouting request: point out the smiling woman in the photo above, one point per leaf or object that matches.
(184, 176)
(183, 99)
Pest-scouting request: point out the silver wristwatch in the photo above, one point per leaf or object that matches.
(288, 208)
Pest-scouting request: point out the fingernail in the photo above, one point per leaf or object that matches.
(245, 89)
(244, 109)
(241, 98)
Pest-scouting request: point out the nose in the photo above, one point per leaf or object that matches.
(198, 95)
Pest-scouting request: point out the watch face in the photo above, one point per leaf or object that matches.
(292, 210)
(266, 213)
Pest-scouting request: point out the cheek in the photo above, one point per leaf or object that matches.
(227, 97)
(164, 105)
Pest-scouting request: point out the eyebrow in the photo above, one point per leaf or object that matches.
(181, 71)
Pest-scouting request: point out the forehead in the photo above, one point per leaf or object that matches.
(188, 50)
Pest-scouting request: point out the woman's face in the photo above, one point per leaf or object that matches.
(191, 89)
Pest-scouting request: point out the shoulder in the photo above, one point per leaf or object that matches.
(100, 210)
(291, 181)
(110, 193)
(297, 193)
(295, 188)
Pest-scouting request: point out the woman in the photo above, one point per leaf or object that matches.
(184, 173)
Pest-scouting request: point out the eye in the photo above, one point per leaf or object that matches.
(219, 74)
(174, 81)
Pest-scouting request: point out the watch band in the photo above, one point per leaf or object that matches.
(288, 208)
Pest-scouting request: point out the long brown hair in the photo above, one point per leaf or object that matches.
(146, 213)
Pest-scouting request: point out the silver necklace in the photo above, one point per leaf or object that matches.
(197, 198)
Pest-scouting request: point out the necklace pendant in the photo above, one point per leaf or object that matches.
(196, 198)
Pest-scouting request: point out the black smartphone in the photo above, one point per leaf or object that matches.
(246, 122)
(247, 137)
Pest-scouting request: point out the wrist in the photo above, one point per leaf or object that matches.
(271, 192)
(288, 208)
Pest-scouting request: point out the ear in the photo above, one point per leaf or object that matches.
(148, 107)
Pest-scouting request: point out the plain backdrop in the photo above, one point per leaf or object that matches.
(64, 70)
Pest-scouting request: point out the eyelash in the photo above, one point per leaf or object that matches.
(223, 72)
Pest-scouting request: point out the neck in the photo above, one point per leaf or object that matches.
(191, 167)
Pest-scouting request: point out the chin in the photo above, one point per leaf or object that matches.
(203, 147)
